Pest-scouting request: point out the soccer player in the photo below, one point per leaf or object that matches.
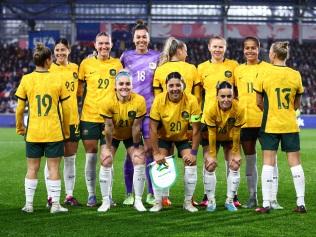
(123, 113)
(211, 73)
(98, 73)
(141, 63)
(171, 113)
(279, 93)
(224, 119)
(172, 59)
(245, 75)
(70, 72)
(44, 135)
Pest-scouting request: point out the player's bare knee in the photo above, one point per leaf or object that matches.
(138, 160)
(234, 165)
(211, 166)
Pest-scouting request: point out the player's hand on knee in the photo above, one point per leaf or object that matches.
(235, 162)
(189, 159)
(210, 164)
(159, 158)
(138, 156)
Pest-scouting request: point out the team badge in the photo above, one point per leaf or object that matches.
(185, 115)
(228, 74)
(75, 75)
(231, 121)
(113, 72)
(152, 65)
(131, 114)
(85, 131)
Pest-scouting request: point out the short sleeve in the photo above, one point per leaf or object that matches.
(300, 89)
(196, 78)
(196, 111)
(21, 92)
(154, 111)
(240, 117)
(81, 74)
(105, 108)
(156, 80)
(258, 83)
(141, 111)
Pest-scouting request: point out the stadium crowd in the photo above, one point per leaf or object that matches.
(15, 62)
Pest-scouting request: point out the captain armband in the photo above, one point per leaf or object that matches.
(195, 118)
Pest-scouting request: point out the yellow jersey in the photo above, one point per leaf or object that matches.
(43, 91)
(175, 117)
(70, 76)
(210, 74)
(224, 121)
(122, 113)
(188, 72)
(279, 86)
(245, 76)
(99, 76)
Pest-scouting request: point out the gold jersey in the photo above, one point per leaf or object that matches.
(175, 117)
(70, 81)
(279, 86)
(224, 121)
(43, 91)
(245, 76)
(188, 72)
(99, 76)
(211, 74)
(122, 114)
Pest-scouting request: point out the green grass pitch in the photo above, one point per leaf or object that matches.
(125, 221)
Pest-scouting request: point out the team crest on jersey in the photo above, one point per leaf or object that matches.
(113, 72)
(231, 121)
(131, 114)
(75, 75)
(152, 65)
(85, 131)
(185, 115)
(228, 74)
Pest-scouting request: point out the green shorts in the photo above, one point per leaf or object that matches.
(205, 142)
(91, 130)
(290, 142)
(181, 145)
(249, 134)
(48, 149)
(115, 143)
(74, 133)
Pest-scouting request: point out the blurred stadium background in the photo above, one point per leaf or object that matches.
(23, 23)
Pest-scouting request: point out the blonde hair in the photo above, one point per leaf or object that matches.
(218, 38)
(41, 53)
(170, 49)
(281, 49)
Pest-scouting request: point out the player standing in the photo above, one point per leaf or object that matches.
(279, 93)
(211, 73)
(46, 130)
(98, 73)
(141, 63)
(70, 74)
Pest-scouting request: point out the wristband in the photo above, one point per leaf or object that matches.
(194, 152)
(136, 144)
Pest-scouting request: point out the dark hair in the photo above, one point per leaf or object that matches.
(140, 25)
(63, 41)
(223, 85)
(251, 38)
(174, 75)
(281, 49)
(41, 53)
(102, 34)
